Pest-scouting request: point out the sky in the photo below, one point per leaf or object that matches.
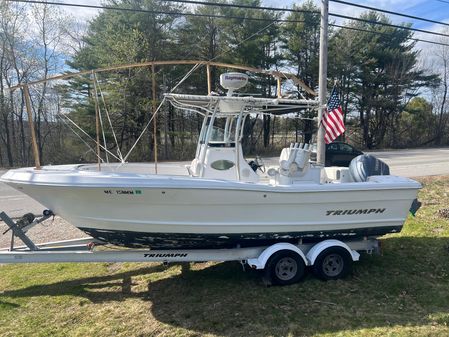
(437, 10)
(430, 9)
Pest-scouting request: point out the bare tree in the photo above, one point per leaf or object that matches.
(440, 94)
(13, 69)
(51, 29)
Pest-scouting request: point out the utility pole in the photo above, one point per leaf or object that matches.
(322, 82)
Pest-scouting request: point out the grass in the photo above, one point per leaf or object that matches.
(404, 292)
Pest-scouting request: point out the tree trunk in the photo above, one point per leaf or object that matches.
(8, 141)
(266, 130)
(440, 128)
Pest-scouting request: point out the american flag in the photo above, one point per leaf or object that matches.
(333, 118)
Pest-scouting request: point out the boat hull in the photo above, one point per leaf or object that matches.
(175, 212)
(226, 240)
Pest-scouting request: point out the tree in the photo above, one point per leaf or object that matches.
(414, 123)
(251, 38)
(117, 37)
(15, 68)
(52, 26)
(385, 77)
(440, 94)
(300, 44)
(300, 41)
(30, 50)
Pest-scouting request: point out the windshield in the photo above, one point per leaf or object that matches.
(223, 130)
(217, 134)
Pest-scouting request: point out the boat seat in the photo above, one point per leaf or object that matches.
(294, 161)
(366, 165)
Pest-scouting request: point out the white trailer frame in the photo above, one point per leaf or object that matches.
(83, 250)
(65, 251)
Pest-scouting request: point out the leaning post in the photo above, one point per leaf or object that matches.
(322, 81)
(278, 87)
(37, 161)
(97, 121)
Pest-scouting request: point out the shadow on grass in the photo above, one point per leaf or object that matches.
(8, 305)
(406, 287)
(96, 289)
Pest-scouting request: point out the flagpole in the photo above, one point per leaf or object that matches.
(322, 81)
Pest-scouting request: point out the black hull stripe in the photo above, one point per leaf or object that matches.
(210, 241)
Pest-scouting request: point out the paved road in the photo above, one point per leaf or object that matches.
(409, 163)
(416, 162)
(15, 203)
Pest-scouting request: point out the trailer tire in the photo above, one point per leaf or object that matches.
(332, 263)
(285, 267)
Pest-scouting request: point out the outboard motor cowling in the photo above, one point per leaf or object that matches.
(366, 165)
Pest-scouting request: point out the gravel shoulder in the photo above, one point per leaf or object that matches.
(50, 230)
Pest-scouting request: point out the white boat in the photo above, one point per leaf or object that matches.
(221, 200)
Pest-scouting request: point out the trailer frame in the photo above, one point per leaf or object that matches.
(293, 258)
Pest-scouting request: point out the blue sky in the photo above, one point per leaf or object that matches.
(431, 9)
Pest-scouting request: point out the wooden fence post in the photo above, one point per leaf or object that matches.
(37, 161)
(209, 80)
(153, 87)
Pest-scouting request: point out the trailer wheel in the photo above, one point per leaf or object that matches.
(285, 267)
(333, 263)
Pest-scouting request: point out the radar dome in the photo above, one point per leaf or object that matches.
(233, 81)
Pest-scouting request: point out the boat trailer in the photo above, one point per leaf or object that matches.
(283, 263)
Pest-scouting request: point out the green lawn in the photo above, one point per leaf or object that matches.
(404, 292)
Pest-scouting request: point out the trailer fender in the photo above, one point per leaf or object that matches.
(260, 261)
(321, 246)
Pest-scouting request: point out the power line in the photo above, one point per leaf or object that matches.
(388, 24)
(154, 12)
(150, 11)
(294, 10)
(124, 9)
(443, 1)
(297, 10)
(386, 34)
(219, 4)
(158, 12)
(391, 12)
(234, 17)
(246, 18)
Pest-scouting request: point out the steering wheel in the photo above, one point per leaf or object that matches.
(257, 164)
(260, 164)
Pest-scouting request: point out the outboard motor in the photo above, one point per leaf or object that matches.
(366, 165)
